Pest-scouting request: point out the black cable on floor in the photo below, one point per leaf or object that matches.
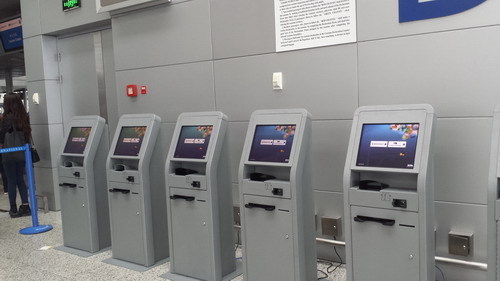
(322, 272)
(442, 274)
(340, 259)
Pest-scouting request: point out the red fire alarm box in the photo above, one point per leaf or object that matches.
(144, 90)
(132, 90)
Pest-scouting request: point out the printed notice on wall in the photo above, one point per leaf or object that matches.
(302, 24)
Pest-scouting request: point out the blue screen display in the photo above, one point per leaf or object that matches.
(11, 33)
(388, 145)
(272, 143)
(193, 142)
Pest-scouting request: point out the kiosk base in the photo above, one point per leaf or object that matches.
(35, 229)
(176, 277)
(78, 252)
(133, 266)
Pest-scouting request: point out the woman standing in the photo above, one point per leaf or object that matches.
(15, 118)
(2, 172)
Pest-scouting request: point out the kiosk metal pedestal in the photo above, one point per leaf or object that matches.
(82, 181)
(199, 200)
(389, 195)
(137, 242)
(276, 197)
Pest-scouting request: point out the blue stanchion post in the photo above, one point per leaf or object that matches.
(35, 228)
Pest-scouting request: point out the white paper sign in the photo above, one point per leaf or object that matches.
(302, 24)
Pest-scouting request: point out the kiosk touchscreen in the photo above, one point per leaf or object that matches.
(389, 194)
(82, 186)
(493, 224)
(276, 197)
(199, 200)
(137, 217)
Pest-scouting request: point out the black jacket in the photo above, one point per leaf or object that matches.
(6, 126)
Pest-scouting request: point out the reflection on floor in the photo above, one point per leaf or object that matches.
(33, 257)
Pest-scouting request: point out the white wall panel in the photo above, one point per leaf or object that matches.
(30, 11)
(236, 134)
(163, 35)
(329, 143)
(241, 28)
(461, 218)
(461, 155)
(456, 72)
(380, 19)
(322, 80)
(330, 205)
(40, 58)
(171, 90)
(47, 184)
(49, 109)
(47, 148)
(79, 88)
(109, 78)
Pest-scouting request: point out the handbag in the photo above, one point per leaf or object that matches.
(13, 139)
(34, 153)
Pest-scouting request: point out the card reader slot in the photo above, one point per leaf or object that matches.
(387, 222)
(65, 184)
(124, 191)
(187, 198)
(262, 206)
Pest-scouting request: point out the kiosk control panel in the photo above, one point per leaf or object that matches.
(82, 185)
(199, 199)
(276, 197)
(137, 237)
(389, 194)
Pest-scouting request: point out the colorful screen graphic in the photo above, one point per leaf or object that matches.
(272, 143)
(130, 141)
(193, 142)
(77, 140)
(388, 145)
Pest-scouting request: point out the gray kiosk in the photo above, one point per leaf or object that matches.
(199, 199)
(82, 186)
(389, 194)
(138, 224)
(494, 201)
(276, 197)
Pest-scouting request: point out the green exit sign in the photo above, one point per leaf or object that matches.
(71, 4)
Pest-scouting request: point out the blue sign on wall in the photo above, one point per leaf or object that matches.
(12, 38)
(412, 10)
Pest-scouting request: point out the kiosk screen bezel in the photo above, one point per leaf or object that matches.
(257, 154)
(122, 148)
(68, 149)
(407, 136)
(184, 150)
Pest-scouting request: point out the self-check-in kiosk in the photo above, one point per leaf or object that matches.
(137, 238)
(82, 186)
(199, 199)
(276, 197)
(389, 195)
(493, 224)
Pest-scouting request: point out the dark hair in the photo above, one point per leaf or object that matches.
(13, 106)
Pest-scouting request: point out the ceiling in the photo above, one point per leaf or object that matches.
(13, 61)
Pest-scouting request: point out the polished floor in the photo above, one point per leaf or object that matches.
(33, 257)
